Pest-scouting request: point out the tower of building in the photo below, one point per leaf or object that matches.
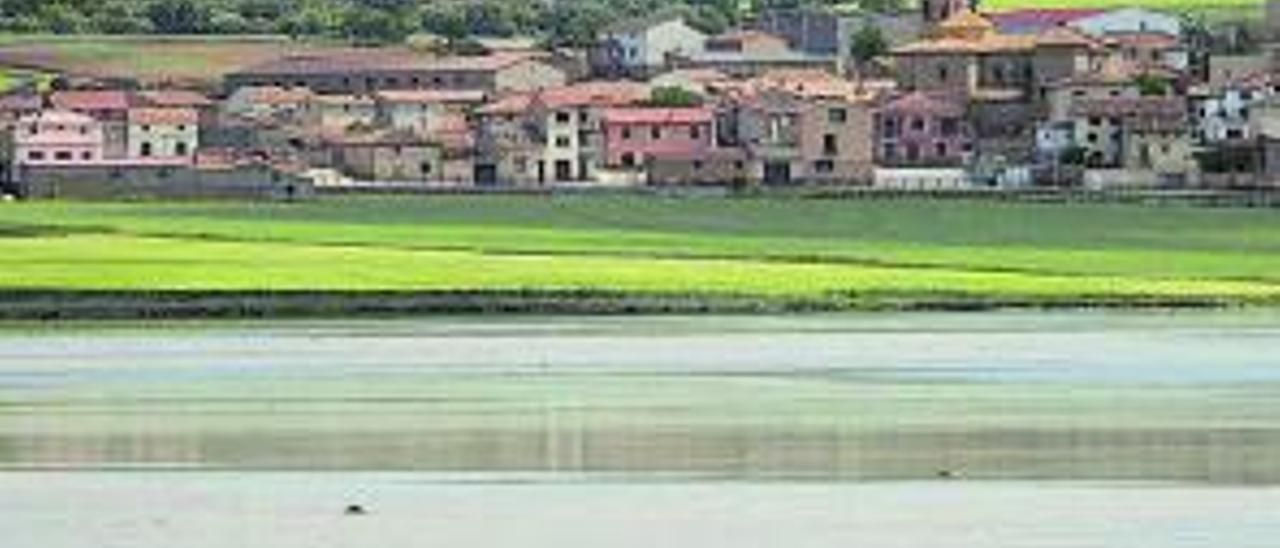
(936, 11)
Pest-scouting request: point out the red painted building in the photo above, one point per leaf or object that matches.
(635, 135)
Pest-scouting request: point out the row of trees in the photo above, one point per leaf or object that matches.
(560, 22)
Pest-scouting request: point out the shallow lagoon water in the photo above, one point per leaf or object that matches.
(816, 430)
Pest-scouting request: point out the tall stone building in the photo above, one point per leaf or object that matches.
(937, 11)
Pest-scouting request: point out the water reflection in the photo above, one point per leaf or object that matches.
(842, 403)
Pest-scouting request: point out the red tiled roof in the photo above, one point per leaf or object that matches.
(599, 94)
(431, 96)
(1154, 40)
(604, 94)
(164, 116)
(90, 100)
(271, 95)
(511, 104)
(1040, 18)
(657, 116)
(175, 98)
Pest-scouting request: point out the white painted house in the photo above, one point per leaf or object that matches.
(1130, 20)
(163, 134)
(641, 48)
(1225, 114)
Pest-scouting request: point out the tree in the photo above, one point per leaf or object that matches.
(374, 27)
(674, 97)
(1150, 85)
(178, 16)
(868, 43)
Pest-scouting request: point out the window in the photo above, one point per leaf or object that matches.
(890, 151)
(917, 124)
(146, 128)
(180, 149)
(950, 127)
(145, 150)
(913, 152)
(86, 156)
(1095, 121)
(563, 142)
(837, 116)
(891, 127)
(655, 132)
(697, 165)
(62, 156)
(940, 149)
(628, 160)
(943, 74)
(830, 145)
(36, 155)
(563, 117)
(626, 134)
(695, 132)
(425, 168)
(824, 166)
(1093, 138)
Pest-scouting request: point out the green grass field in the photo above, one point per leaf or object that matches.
(795, 249)
(1171, 5)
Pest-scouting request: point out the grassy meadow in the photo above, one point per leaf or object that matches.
(156, 59)
(803, 250)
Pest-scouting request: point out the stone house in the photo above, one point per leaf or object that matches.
(328, 113)
(1223, 113)
(923, 130)
(392, 156)
(168, 134)
(424, 112)
(370, 71)
(553, 135)
(110, 108)
(1143, 134)
(268, 103)
(640, 48)
(57, 138)
(823, 32)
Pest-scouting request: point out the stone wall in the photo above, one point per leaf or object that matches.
(154, 182)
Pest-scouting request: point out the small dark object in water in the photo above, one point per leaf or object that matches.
(355, 510)
(947, 474)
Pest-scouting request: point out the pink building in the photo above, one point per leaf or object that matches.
(635, 135)
(57, 137)
(921, 130)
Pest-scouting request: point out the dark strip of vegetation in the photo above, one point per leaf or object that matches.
(567, 23)
(60, 305)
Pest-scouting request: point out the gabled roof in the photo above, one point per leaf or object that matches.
(175, 98)
(164, 116)
(657, 116)
(431, 96)
(1031, 21)
(90, 100)
(1139, 113)
(967, 33)
(272, 95)
(20, 102)
(57, 117)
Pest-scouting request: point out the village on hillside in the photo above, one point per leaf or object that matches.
(946, 97)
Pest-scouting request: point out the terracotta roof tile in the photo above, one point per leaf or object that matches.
(164, 116)
(90, 100)
(657, 116)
